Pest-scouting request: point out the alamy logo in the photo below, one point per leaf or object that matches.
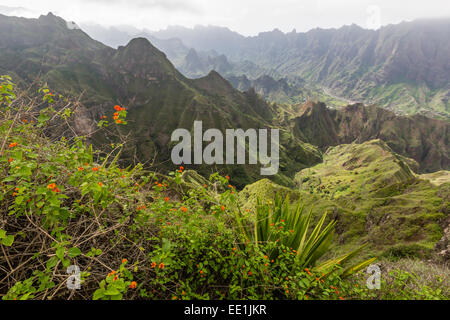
(74, 280)
(373, 20)
(374, 279)
(235, 147)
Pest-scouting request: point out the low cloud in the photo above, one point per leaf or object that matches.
(167, 5)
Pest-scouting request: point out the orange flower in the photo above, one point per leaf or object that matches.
(234, 249)
(161, 265)
(51, 186)
(133, 284)
(181, 168)
(56, 190)
(222, 208)
(124, 260)
(100, 184)
(116, 117)
(13, 144)
(159, 185)
(111, 273)
(116, 114)
(94, 169)
(119, 121)
(15, 194)
(80, 168)
(10, 160)
(166, 199)
(201, 271)
(153, 264)
(249, 273)
(183, 209)
(341, 298)
(117, 108)
(227, 177)
(115, 278)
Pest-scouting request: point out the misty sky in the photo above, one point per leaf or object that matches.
(247, 17)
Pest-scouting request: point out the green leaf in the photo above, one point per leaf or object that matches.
(73, 252)
(112, 292)
(353, 269)
(116, 297)
(60, 253)
(8, 240)
(18, 200)
(51, 262)
(98, 294)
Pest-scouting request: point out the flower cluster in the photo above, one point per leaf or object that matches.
(53, 187)
(119, 115)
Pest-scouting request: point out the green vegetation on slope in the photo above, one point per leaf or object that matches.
(374, 196)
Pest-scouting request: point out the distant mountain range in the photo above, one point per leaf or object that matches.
(403, 67)
(160, 99)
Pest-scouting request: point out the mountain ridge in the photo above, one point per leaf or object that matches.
(423, 139)
(407, 60)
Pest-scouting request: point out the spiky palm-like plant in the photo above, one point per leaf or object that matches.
(310, 242)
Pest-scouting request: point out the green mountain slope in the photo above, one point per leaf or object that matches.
(375, 197)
